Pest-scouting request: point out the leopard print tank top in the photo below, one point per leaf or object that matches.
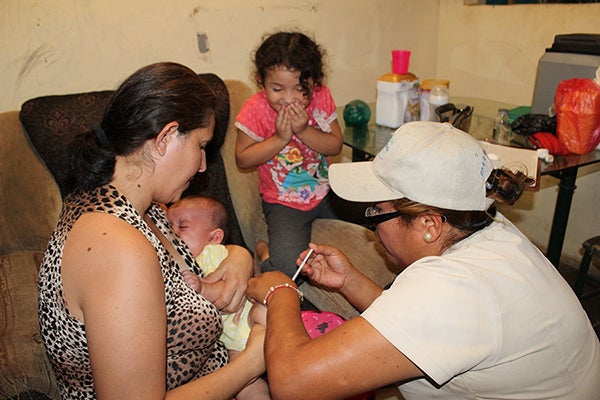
(193, 323)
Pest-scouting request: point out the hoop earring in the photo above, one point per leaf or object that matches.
(427, 236)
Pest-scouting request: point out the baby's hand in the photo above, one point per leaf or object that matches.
(192, 280)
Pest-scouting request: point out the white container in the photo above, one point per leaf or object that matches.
(395, 95)
(438, 97)
(426, 111)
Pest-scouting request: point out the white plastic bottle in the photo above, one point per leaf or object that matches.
(438, 96)
(424, 91)
(395, 99)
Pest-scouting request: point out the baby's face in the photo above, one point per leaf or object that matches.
(192, 226)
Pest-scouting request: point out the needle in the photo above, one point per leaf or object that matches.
(302, 264)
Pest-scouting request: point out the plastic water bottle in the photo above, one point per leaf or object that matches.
(502, 130)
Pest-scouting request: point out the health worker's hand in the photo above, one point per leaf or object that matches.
(327, 266)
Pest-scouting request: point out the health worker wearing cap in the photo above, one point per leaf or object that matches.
(477, 312)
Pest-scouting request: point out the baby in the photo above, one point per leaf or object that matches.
(201, 222)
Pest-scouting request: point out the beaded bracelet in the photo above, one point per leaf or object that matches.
(275, 288)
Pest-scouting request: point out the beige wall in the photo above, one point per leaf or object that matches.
(64, 46)
(492, 52)
(67, 46)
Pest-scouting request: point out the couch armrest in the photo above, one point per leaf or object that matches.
(361, 247)
(243, 184)
(30, 200)
(24, 365)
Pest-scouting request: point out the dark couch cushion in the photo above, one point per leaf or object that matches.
(213, 182)
(51, 122)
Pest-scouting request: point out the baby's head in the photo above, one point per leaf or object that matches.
(198, 221)
(295, 52)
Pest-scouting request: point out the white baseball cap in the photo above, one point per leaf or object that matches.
(431, 163)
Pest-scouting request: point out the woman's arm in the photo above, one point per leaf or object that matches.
(227, 381)
(113, 283)
(116, 288)
(350, 359)
(329, 267)
(234, 271)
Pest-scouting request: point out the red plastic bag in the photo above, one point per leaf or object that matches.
(577, 104)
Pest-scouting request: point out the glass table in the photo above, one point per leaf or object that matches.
(366, 143)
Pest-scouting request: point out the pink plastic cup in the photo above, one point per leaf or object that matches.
(400, 60)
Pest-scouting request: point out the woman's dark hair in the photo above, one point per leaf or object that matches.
(293, 50)
(142, 105)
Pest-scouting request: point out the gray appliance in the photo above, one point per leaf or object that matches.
(571, 56)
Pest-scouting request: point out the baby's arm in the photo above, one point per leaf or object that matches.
(257, 314)
(210, 291)
(249, 153)
(192, 280)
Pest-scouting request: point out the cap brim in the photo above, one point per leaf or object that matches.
(356, 182)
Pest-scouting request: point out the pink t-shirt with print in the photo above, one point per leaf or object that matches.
(297, 176)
